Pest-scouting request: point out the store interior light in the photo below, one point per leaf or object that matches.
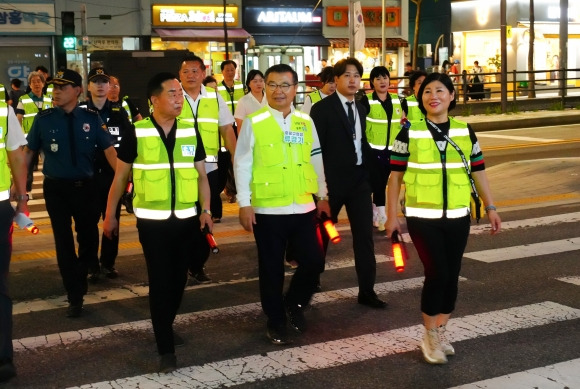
(482, 14)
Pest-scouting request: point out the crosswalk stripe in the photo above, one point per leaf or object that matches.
(123, 292)
(525, 251)
(559, 375)
(296, 360)
(188, 318)
(571, 217)
(570, 280)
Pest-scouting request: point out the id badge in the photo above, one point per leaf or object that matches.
(188, 150)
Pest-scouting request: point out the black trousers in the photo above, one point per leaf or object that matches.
(440, 244)
(200, 255)
(167, 245)
(215, 187)
(380, 176)
(6, 227)
(359, 209)
(30, 175)
(272, 234)
(109, 247)
(66, 201)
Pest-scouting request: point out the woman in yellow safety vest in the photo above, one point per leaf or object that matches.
(440, 162)
(415, 80)
(326, 77)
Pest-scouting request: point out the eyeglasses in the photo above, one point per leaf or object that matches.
(283, 87)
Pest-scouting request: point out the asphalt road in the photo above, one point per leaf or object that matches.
(518, 308)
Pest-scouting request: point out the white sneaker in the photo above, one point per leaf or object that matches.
(445, 344)
(375, 216)
(431, 347)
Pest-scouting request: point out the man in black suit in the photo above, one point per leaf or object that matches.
(340, 122)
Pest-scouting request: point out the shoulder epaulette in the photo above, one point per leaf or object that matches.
(46, 112)
(91, 111)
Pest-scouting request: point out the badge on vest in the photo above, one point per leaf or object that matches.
(187, 150)
(294, 137)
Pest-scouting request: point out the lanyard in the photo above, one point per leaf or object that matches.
(465, 164)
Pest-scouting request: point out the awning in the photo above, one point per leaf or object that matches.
(202, 34)
(390, 43)
(291, 40)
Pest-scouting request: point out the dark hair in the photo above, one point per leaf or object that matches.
(282, 68)
(208, 79)
(17, 82)
(41, 68)
(323, 59)
(252, 74)
(228, 62)
(155, 87)
(445, 80)
(326, 75)
(378, 71)
(190, 57)
(415, 76)
(408, 64)
(476, 62)
(340, 66)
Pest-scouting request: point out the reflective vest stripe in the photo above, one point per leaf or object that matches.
(453, 132)
(435, 213)
(155, 166)
(3, 111)
(2, 145)
(145, 132)
(4, 195)
(429, 166)
(377, 120)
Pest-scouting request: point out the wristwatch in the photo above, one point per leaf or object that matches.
(321, 198)
(207, 211)
(21, 197)
(490, 208)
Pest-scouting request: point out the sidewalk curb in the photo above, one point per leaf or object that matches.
(514, 123)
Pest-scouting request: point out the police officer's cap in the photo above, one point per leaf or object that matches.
(98, 73)
(67, 77)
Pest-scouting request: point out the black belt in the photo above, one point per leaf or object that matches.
(79, 183)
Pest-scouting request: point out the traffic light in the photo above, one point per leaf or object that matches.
(68, 30)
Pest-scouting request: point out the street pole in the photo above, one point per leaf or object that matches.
(383, 38)
(351, 28)
(85, 41)
(562, 73)
(503, 38)
(226, 31)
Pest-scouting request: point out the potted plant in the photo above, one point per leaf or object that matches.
(496, 62)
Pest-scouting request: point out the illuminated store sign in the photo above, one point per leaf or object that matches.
(283, 17)
(194, 16)
(287, 17)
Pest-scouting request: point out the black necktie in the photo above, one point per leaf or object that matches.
(351, 118)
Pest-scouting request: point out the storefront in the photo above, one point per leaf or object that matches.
(26, 40)
(200, 29)
(476, 35)
(336, 29)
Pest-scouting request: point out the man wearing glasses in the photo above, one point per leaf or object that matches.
(278, 167)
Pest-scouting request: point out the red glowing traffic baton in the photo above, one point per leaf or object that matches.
(330, 229)
(399, 253)
(210, 240)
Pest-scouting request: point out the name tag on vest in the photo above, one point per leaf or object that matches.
(293, 137)
(188, 151)
(114, 130)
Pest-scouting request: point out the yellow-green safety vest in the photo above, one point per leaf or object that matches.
(232, 100)
(378, 122)
(2, 93)
(413, 107)
(315, 97)
(282, 173)
(436, 188)
(4, 169)
(31, 109)
(207, 122)
(127, 109)
(152, 173)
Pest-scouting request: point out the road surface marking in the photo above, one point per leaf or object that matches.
(570, 280)
(188, 318)
(296, 360)
(572, 217)
(560, 375)
(515, 137)
(525, 251)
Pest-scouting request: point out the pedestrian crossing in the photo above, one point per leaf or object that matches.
(387, 336)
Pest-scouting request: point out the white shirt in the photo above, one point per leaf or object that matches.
(357, 126)
(244, 158)
(15, 136)
(225, 116)
(249, 104)
(308, 102)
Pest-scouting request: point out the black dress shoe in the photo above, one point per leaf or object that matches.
(74, 310)
(277, 333)
(110, 272)
(371, 300)
(7, 371)
(167, 363)
(296, 317)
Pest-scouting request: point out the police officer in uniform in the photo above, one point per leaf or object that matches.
(114, 119)
(383, 124)
(69, 137)
(278, 168)
(166, 157)
(12, 160)
(125, 103)
(208, 113)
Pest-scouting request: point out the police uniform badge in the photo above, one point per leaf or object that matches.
(59, 74)
(87, 127)
(54, 146)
